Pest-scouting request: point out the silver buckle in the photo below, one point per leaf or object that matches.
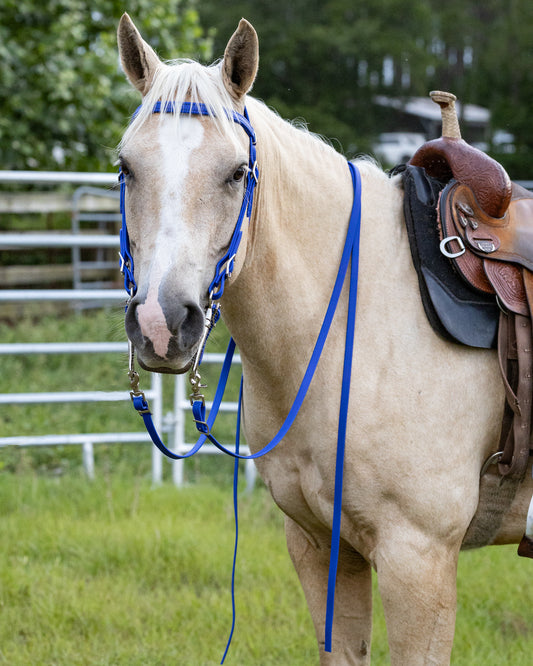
(452, 255)
(486, 246)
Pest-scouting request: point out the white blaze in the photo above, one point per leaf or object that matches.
(175, 149)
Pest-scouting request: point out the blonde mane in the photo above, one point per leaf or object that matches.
(185, 81)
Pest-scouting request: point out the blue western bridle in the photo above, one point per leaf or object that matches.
(225, 265)
(224, 268)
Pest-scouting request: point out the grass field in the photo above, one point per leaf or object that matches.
(116, 572)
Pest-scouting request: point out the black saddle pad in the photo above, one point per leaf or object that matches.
(456, 310)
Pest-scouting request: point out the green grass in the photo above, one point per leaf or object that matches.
(117, 572)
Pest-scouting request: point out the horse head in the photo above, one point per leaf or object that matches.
(185, 178)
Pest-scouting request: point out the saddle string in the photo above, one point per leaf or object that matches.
(216, 289)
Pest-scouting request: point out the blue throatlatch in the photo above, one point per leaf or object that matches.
(204, 422)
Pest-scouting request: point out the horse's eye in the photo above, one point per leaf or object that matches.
(124, 168)
(239, 174)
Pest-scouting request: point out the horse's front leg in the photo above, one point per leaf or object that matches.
(352, 624)
(417, 584)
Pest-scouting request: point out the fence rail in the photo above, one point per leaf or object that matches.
(57, 178)
(86, 440)
(24, 240)
(14, 295)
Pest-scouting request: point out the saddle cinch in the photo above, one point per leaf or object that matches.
(471, 234)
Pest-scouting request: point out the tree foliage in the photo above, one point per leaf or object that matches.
(62, 92)
(327, 60)
(64, 99)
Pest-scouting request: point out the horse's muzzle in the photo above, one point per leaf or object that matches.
(165, 341)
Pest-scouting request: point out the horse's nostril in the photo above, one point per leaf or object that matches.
(188, 324)
(130, 319)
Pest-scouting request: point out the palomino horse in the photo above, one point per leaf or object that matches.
(424, 413)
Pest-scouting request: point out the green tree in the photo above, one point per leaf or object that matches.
(504, 76)
(63, 97)
(62, 93)
(326, 61)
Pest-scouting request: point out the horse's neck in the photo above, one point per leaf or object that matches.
(275, 307)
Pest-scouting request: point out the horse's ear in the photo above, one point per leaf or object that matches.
(241, 59)
(138, 59)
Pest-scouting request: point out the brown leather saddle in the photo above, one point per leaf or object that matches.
(485, 225)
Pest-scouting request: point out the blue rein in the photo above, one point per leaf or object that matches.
(204, 422)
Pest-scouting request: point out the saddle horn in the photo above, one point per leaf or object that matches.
(451, 157)
(450, 122)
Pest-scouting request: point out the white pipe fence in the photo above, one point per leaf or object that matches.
(173, 423)
(86, 440)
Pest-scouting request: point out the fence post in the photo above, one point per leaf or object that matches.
(88, 459)
(250, 473)
(178, 433)
(157, 411)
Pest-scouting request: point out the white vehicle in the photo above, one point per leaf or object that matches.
(397, 147)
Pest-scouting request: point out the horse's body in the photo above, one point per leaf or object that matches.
(424, 413)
